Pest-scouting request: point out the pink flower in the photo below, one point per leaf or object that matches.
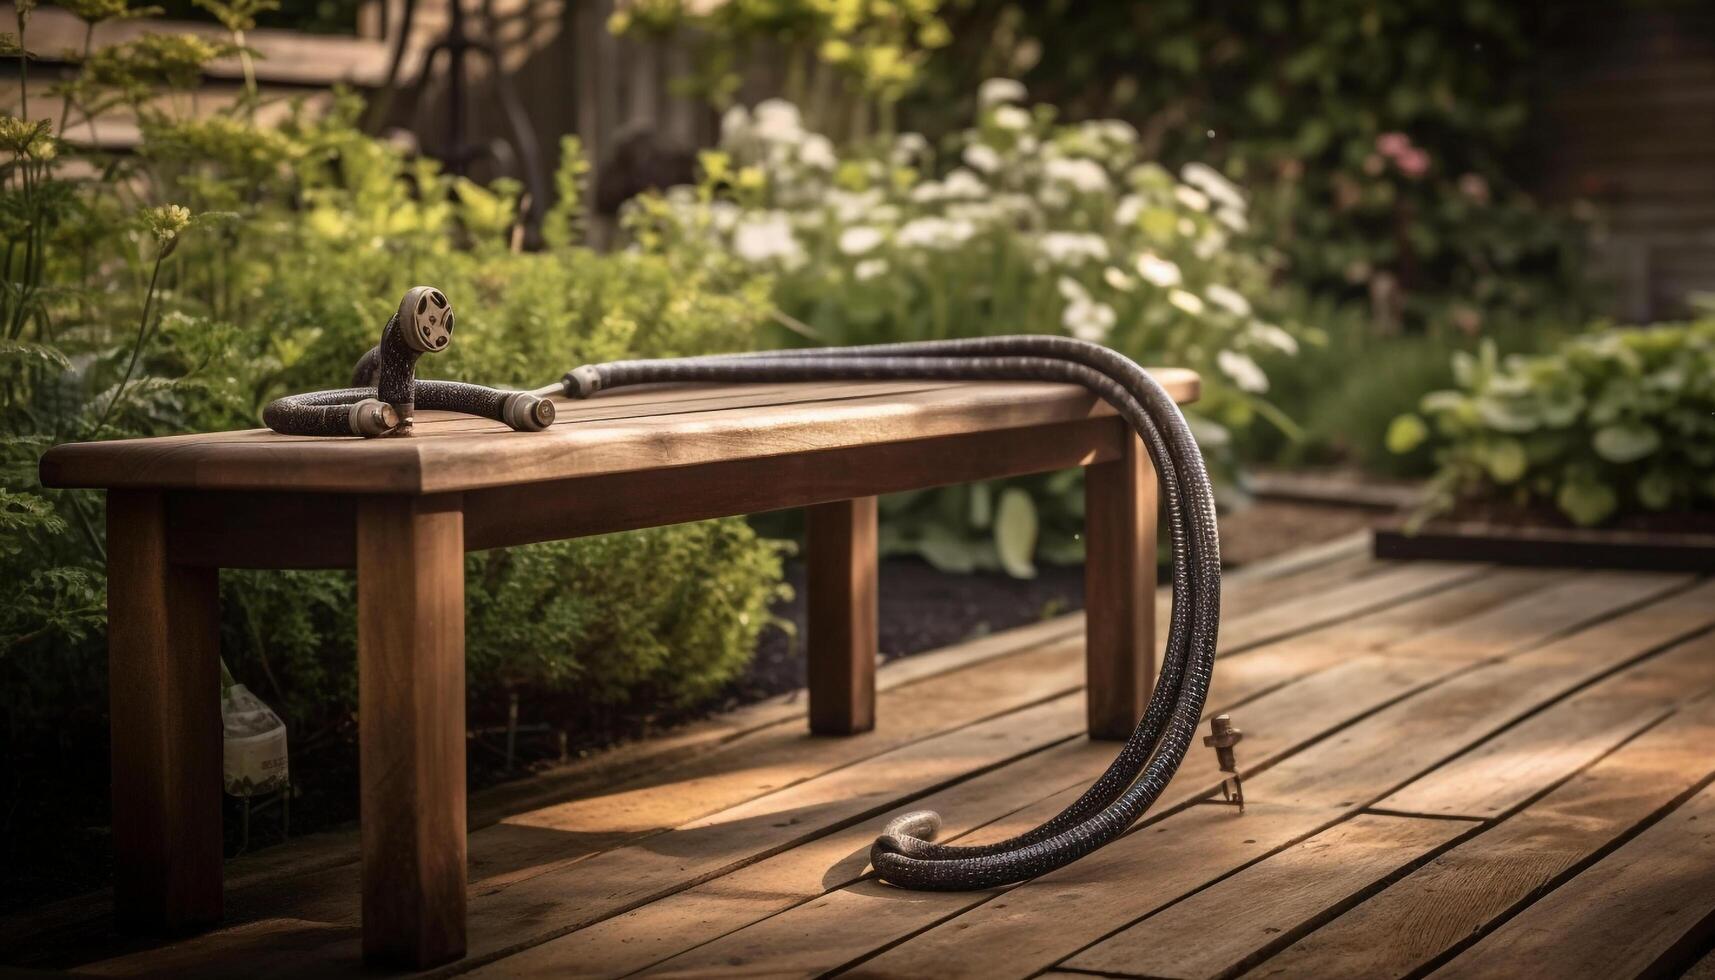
(1393, 144)
(1414, 163)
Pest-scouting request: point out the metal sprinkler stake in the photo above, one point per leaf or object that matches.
(1222, 737)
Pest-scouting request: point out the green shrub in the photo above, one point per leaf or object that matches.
(1614, 421)
(1020, 225)
(224, 264)
(848, 63)
(1384, 143)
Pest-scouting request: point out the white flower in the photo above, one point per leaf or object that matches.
(1088, 320)
(1243, 371)
(1189, 302)
(869, 269)
(1117, 131)
(1273, 336)
(982, 157)
(908, 147)
(928, 192)
(850, 206)
(1192, 198)
(723, 215)
(998, 90)
(935, 233)
(762, 238)
(1211, 182)
(1011, 117)
(1114, 276)
(860, 239)
(1017, 205)
(963, 183)
(1229, 300)
(818, 152)
(1232, 218)
(1155, 269)
(976, 212)
(777, 121)
(1083, 176)
(735, 125)
(1072, 290)
(1068, 247)
(1129, 209)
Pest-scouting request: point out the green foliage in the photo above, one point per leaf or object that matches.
(1382, 141)
(1020, 224)
(225, 264)
(1615, 420)
(847, 62)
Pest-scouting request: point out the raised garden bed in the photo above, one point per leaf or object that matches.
(1669, 542)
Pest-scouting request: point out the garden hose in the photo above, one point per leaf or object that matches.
(905, 854)
(385, 392)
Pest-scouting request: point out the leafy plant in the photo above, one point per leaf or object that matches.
(1614, 421)
(1020, 224)
(1383, 142)
(847, 62)
(182, 287)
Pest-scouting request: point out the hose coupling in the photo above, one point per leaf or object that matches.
(526, 412)
(373, 417)
(582, 382)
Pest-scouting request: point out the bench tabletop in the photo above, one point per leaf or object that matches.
(615, 432)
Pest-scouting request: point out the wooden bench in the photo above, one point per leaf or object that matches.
(403, 512)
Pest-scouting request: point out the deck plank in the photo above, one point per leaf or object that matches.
(1457, 897)
(1628, 915)
(1218, 930)
(728, 745)
(1036, 924)
(1283, 721)
(852, 922)
(1390, 709)
(1507, 770)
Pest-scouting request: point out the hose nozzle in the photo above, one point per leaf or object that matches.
(526, 412)
(373, 417)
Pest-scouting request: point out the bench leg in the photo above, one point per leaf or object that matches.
(1119, 590)
(163, 644)
(410, 655)
(841, 579)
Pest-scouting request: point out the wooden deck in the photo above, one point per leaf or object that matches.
(1451, 769)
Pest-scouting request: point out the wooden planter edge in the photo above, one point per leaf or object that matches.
(1546, 546)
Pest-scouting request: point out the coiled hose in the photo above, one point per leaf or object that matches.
(385, 392)
(905, 853)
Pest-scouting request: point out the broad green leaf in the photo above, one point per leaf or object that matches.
(1655, 488)
(1405, 433)
(1625, 443)
(1505, 460)
(1586, 502)
(1507, 415)
(947, 551)
(1015, 532)
(981, 505)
